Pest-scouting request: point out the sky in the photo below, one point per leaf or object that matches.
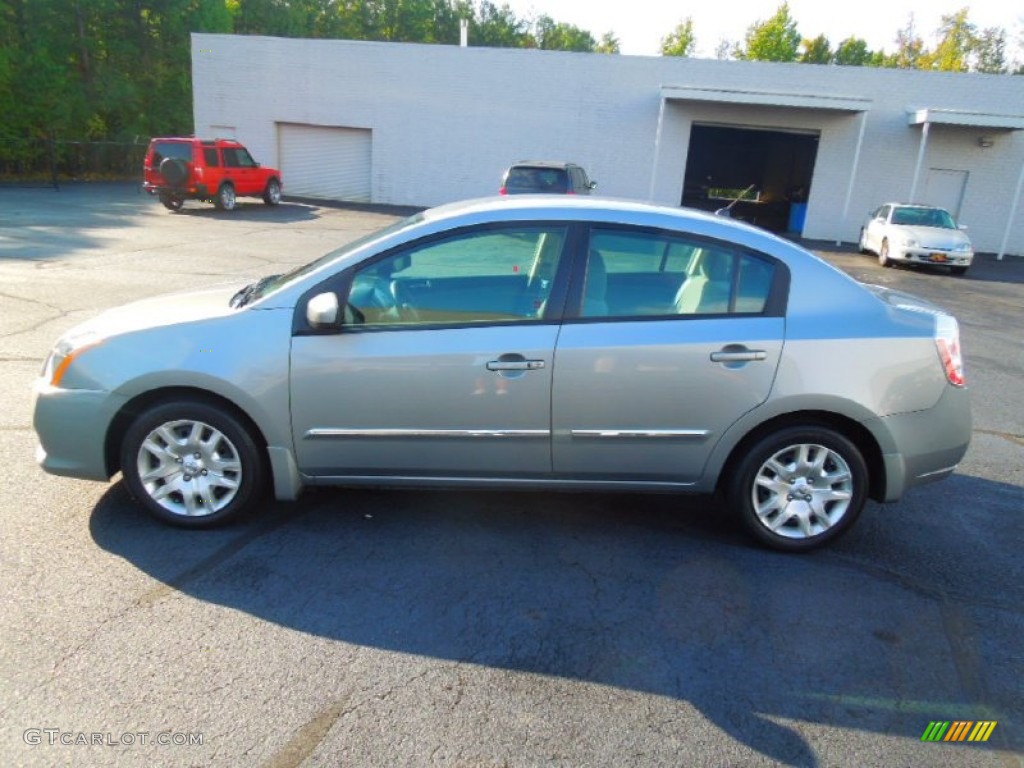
(639, 25)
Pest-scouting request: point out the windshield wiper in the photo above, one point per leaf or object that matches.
(250, 292)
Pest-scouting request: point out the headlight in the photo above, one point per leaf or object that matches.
(64, 353)
(963, 247)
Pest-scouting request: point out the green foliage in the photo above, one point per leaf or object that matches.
(817, 51)
(773, 39)
(956, 44)
(681, 41)
(990, 51)
(555, 36)
(121, 69)
(853, 52)
(608, 43)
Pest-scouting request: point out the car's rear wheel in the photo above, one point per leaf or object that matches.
(800, 487)
(191, 465)
(172, 202)
(883, 254)
(272, 194)
(226, 199)
(958, 270)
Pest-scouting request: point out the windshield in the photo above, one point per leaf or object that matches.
(923, 217)
(269, 285)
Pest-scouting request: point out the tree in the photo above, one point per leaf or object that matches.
(990, 51)
(909, 48)
(681, 41)
(774, 39)
(853, 52)
(559, 36)
(609, 43)
(957, 42)
(817, 51)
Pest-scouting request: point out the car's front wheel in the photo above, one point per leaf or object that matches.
(272, 194)
(226, 199)
(191, 464)
(883, 254)
(799, 487)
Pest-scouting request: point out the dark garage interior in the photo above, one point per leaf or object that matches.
(774, 166)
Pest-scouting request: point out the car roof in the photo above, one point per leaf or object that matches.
(915, 205)
(602, 209)
(543, 164)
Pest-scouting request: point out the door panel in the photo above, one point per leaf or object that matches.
(423, 401)
(645, 400)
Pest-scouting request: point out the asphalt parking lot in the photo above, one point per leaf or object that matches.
(373, 628)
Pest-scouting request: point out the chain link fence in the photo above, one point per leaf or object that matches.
(47, 162)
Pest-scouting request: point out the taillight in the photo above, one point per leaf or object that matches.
(947, 339)
(502, 191)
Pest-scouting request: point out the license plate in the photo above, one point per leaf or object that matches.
(938, 257)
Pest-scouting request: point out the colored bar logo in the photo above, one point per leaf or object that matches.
(958, 730)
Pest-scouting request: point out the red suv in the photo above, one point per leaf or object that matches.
(217, 170)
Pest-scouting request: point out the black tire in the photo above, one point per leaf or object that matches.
(171, 202)
(174, 170)
(225, 200)
(883, 254)
(192, 465)
(815, 500)
(272, 194)
(958, 271)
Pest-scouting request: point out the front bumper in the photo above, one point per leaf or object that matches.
(72, 426)
(936, 256)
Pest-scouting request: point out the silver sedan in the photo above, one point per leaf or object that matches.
(527, 342)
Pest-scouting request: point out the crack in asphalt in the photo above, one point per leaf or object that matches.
(309, 736)
(1018, 439)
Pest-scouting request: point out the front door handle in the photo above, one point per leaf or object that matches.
(737, 354)
(515, 365)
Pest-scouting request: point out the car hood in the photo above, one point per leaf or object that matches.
(934, 237)
(159, 311)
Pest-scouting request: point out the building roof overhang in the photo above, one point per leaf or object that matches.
(829, 102)
(965, 119)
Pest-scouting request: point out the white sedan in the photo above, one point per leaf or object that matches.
(916, 234)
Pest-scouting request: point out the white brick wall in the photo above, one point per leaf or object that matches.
(447, 120)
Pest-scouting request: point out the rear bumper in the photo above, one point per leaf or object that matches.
(928, 445)
(198, 192)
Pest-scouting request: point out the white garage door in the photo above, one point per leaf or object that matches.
(326, 163)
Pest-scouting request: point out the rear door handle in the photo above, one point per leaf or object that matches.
(732, 354)
(515, 365)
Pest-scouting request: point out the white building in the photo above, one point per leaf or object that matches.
(407, 124)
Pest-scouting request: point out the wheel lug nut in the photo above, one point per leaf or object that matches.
(197, 455)
(205, 473)
(187, 478)
(179, 459)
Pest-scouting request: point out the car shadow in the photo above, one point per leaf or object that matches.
(251, 210)
(643, 593)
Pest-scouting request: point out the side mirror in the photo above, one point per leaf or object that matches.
(322, 311)
(593, 185)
